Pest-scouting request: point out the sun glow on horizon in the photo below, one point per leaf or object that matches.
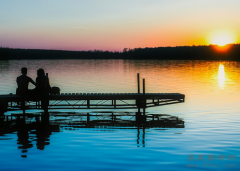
(223, 38)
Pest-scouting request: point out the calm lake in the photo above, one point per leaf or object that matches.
(209, 140)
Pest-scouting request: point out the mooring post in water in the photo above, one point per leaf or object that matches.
(138, 82)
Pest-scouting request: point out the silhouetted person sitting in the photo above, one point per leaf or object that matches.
(22, 82)
(42, 82)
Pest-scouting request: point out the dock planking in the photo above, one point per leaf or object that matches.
(96, 96)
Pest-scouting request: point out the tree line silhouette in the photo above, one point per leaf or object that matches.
(201, 52)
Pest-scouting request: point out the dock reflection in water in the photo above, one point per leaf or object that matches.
(34, 127)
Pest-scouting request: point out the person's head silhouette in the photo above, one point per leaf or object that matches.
(24, 71)
(40, 72)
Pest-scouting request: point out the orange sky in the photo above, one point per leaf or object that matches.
(114, 25)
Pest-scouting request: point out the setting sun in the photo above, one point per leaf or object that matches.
(222, 39)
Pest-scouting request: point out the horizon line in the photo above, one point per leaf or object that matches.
(123, 48)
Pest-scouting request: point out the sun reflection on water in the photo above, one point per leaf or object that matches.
(221, 76)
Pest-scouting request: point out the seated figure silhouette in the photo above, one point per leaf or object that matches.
(22, 82)
(42, 82)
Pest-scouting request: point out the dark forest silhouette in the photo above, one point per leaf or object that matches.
(201, 52)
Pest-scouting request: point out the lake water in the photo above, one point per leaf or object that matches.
(210, 139)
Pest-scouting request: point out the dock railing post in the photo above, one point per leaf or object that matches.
(144, 104)
(138, 82)
(143, 86)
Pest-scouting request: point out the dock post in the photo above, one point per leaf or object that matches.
(88, 104)
(23, 106)
(144, 102)
(138, 82)
(143, 86)
(45, 116)
(88, 118)
(138, 117)
(144, 118)
(45, 106)
(144, 107)
(115, 104)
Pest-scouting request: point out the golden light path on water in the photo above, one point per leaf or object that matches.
(221, 76)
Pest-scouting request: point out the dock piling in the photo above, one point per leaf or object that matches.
(138, 82)
(143, 86)
(88, 118)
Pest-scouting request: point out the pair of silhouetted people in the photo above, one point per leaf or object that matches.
(42, 83)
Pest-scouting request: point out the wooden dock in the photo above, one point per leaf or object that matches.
(89, 101)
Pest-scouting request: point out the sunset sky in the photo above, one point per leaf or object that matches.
(116, 24)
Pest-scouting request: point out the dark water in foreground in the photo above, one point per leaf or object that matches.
(209, 139)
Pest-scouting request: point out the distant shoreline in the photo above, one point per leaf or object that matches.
(210, 52)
